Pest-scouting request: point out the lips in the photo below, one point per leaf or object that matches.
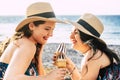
(73, 41)
(45, 38)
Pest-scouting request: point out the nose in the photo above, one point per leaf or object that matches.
(51, 33)
(71, 35)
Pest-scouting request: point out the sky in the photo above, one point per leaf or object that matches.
(64, 7)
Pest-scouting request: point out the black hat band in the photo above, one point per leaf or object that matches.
(46, 15)
(88, 27)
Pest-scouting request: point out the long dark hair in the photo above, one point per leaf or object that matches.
(97, 44)
(24, 31)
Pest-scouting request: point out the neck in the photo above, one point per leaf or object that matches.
(85, 49)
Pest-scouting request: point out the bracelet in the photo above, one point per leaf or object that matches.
(72, 71)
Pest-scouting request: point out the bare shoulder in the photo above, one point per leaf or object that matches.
(25, 51)
(25, 48)
(95, 64)
(22, 56)
(103, 60)
(25, 42)
(19, 49)
(100, 60)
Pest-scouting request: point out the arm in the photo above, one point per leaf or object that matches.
(40, 65)
(71, 68)
(94, 65)
(91, 74)
(92, 70)
(74, 72)
(20, 61)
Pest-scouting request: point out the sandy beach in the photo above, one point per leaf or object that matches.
(50, 48)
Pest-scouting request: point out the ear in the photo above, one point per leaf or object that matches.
(31, 26)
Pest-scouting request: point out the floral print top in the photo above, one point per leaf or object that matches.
(31, 71)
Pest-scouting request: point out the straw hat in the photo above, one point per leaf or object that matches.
(38, 11)
(89, 24)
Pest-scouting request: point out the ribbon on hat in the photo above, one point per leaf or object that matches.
(88, 27)
(46, 15)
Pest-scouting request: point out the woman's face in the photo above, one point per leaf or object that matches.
(42, 32)
(77, 43)
(75, 39)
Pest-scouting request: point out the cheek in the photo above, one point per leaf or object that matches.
(77, 37)
(70, 36)
(40, 32)
(79, 42)
(38, 35)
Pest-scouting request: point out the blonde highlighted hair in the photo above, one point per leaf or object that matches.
(4, 44)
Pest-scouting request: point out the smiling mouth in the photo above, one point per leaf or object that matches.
(45, 38)
(73, 41)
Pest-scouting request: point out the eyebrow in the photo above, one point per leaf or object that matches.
(49, 27)
(75, 29)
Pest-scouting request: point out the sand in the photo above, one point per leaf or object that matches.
(76, 57)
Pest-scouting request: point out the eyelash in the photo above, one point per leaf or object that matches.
(47, 29)
(76, 31)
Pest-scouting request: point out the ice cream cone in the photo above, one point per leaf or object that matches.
(60, 53)
(61, 63)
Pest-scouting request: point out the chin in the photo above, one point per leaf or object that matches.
(43, 43)
(73, 46)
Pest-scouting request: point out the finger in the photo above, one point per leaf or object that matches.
(54, 63)
(62, 69)
(62, 78)
(54, 59)
(63, 72)
(54, 56)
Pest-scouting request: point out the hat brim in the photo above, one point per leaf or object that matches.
(78, 26)
(31, 19)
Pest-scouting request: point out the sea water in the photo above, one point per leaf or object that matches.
(111, 34)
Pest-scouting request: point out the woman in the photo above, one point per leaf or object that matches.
(22, 58)
(97, 56)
